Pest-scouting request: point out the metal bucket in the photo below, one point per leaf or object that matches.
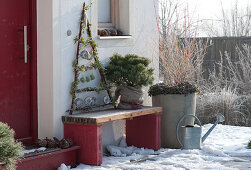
(190, 135)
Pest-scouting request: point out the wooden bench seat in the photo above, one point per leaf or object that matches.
(142, 130)
(100, 117)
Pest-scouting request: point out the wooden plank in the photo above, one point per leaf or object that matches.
(96, 118)
(124, 116)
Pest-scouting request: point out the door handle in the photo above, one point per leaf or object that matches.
(25, 45)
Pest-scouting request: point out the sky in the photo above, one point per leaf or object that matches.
(209, 11)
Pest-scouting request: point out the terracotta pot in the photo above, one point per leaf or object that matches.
(174, 107)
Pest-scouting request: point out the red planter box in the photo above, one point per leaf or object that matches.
(144, 131)
(50, 161)
(89, 138)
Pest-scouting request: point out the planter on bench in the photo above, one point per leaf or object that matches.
(142, 130)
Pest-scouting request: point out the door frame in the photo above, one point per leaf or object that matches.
(33, 69)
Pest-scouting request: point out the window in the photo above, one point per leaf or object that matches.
(107, 13)
(113, 22)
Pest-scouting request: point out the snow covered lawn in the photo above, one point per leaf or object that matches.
(225, 144)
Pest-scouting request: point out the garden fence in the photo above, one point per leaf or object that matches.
(216, 47)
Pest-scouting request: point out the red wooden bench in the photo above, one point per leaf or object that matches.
(142, 130)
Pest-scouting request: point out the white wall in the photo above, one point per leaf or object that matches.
(45, 67)
(54, 98)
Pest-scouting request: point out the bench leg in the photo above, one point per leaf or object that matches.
(144, 131)
(89, 138)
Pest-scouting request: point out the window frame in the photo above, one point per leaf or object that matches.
(125, 22)
(113, 16)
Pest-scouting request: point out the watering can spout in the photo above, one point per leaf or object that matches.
(220, 118)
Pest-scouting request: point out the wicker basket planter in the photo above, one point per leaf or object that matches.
(130, 97)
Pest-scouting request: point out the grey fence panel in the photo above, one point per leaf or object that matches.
(217, 46)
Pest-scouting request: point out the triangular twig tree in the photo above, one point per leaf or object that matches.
(80, 104)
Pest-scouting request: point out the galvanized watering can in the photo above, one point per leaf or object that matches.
(191, 135)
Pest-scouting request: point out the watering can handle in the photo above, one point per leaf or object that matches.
(178, 125)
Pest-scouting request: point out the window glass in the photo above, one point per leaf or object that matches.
(104, 11)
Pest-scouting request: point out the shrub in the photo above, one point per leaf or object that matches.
(226, 102)
(180, 53)
(130, 70)
(227, 90)
(10, 150)
(249, 144)
(182, 88)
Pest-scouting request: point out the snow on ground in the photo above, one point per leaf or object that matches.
(230, 140)
(224, 144)
(34, 150)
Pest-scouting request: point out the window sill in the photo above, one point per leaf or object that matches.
(114, 37)
(114, 41)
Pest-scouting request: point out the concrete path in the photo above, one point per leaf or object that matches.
(243, 164)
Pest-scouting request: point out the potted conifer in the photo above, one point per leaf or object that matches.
(129, 74)
(10, 150)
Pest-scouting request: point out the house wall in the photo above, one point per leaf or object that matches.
(45, 68)
(56, 51)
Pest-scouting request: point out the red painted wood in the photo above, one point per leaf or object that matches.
(50, 161)
(89, 138)
(33, 60)
(17, 79)
(144, 131)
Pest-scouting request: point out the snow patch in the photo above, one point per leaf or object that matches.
(224, 144)
(34, 150)
(64, 167)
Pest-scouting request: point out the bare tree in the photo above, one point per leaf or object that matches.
(234, 22)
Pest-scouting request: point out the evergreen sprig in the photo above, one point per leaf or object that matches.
(89, 89)
(249, 144)
(10, 150)
(130, 70)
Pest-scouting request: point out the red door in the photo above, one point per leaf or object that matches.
(17, 68)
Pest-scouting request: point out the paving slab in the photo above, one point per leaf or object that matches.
(242, 163)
